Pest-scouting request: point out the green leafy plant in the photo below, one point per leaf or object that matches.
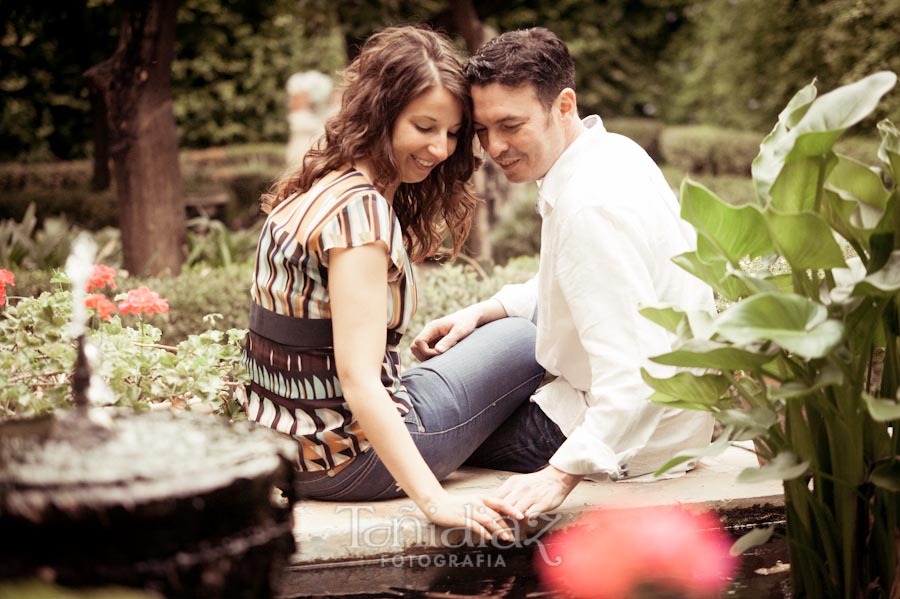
(37, 356)
(806, 363)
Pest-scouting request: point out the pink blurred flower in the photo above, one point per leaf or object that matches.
(6, 278)
(612, 552)
(101, 276)
(143, 301)
(104, 307)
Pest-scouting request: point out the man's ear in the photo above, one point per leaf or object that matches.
(567, 104)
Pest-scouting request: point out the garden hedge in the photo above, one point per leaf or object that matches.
(709, 150)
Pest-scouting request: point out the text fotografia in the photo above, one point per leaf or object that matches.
(410, 530)
(445, 560)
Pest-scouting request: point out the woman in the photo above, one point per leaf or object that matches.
(380, 190)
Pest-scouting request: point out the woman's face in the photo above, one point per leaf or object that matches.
(425, 133)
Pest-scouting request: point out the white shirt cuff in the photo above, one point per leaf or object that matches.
(519, 299)
(584, 454)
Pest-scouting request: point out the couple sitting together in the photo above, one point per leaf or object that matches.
(333, 290)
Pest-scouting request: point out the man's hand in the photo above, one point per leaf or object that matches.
(440, 335)
(535, 493)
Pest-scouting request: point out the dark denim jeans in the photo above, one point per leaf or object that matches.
(459, 398)
(524, 443)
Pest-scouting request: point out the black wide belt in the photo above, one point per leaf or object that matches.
(300, 333)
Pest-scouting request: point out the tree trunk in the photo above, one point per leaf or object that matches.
(468, 24)
(490, 183)
(136, 85)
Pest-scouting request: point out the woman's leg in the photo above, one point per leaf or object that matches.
(459, 398)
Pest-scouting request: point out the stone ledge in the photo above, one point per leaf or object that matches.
(328, 532)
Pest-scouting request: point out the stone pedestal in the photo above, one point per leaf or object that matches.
(185, 505)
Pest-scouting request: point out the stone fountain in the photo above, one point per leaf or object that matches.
(181, 504)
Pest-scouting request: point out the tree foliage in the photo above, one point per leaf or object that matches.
(44, 104)
(730, 63)
(232, 61)
(738, 61)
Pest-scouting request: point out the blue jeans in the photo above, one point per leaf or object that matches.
(524, 443)
(458, 399)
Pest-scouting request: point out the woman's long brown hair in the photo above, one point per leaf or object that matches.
(394, 67)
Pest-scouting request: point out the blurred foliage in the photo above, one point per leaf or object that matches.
(615, 44)
(37, 355)
(44, 103)
(517, 231)
(709, 150)
(202, 331)
(728, 63)
(232, 60)
(738, 62)
(737, 190)
(62, 188)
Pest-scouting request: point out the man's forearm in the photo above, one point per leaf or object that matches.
(488, 311)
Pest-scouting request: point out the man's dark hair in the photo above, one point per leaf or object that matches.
(516, 58)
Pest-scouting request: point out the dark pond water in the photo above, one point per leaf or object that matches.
(507, 575)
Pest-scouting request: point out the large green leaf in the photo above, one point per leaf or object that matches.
(776, 145)
(764, 282)
(792, 321)
(858, 181)
(796, 186)
(798, 106)
(705, 389)
(881, 283)
(887, 475)
(748, 423)
(702, 353)
(668, 317)
(852, 219)
(830, 375)
(784, 466)
(809, 127)
(691, 324)
(671, 401)
(714, 273)
(836, 111)
(882, 410)
(805, 240)
(754, 538)
(730, 231)
(889, 151)
(717, 448)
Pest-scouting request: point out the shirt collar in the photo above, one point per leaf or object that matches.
(562, 170)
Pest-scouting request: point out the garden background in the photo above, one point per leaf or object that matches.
(697, 83)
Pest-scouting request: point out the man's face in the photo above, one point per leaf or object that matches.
(521, 136)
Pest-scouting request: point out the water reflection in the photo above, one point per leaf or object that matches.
(507, 575)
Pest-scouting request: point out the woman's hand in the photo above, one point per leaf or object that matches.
(470, 512)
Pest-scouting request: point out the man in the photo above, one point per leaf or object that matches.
(610, 227)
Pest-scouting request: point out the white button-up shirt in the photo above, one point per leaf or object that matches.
(610, 227)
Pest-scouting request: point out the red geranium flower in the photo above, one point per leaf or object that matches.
(101, 276)
(6, 278)
(143, 301)
(612, 552)
(102, 305)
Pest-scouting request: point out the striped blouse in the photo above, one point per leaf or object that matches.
(294, 387)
